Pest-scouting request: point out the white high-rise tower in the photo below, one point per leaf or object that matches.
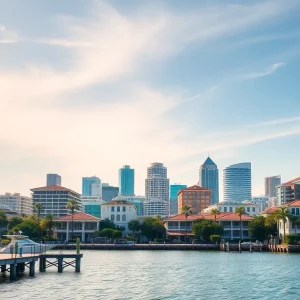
(156, 191)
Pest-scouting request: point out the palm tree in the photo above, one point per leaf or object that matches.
(240, 211)
(72, 205)
(186, 210)
(3, 221)
(49, 218)
(215, 212)
(38, 208)
(282, 214)
(134, 225)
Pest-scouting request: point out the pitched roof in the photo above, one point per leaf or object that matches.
(209, 162)
(81, 216)
(194, 188)
(295, 203)
(208, 216)
(118, 202)
(53, 188)
(268, 211)
(291, 182)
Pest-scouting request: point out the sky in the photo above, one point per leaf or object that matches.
(88, 86)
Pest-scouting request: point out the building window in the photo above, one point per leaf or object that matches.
(118, 217)
(248, 209)
(297, 211)
(293, 211)
(124, 208)
(118, 209)
(253, 209)
(124, 218)
(112, 218)
(230, 209)
(225, 209)
(112, 209)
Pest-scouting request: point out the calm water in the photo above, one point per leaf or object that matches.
(165, 275)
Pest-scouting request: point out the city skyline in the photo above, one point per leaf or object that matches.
(192, 78)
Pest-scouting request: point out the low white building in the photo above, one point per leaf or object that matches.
(251, 209)
(120, 211)
(17, 202)
(84, 224)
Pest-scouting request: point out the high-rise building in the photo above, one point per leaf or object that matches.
(92, 205)
(196, 197)
(174, 189)
(138, 201)
(156, 191)
(270, 185)
(109, 192)
(53, 179)
(288, 192)
(126, 181)
(54, 200)
(16, 202)
(91, 186)
(237, 182)
(209, 178)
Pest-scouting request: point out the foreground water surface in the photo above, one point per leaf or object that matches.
(165, 275)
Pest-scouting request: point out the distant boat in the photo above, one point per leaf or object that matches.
(27, 245)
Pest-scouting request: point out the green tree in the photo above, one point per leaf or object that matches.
(29, 226)
(47, 225)
(72, 205)
(203, 229)
(215, 238)
(38, 208)
(134, 225)
(3, 221)
(152, 227)
(271, 224)
(186, 210)
(240, 211)
(215, 212)
(14, 221)
(117, 234)
(107, 232)
(107, 223)
(282, 214)
(258, 229)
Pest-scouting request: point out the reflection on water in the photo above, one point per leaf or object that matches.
(165, 275)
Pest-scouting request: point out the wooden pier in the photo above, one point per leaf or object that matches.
(60, 261)
(16, 264)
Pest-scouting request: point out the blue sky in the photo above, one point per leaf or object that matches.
(89, 86)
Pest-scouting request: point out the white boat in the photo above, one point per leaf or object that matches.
(27, 245)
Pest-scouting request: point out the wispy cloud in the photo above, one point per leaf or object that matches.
(277, 122)
(8, 36)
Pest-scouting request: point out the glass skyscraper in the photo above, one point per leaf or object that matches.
(270, 185)
(174, 189)
(53, 179)
(126, 181)
(91, 186)
(237, 182)
(209, 179)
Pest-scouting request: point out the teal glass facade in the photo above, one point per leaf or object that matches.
(174, 189)
(126, 181)
(209, 179)
(93, 209)
(87, 185)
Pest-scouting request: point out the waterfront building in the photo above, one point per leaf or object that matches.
(18, 203)
(138, 201)
(237, 182)
(92, 205)
(196, 197)
(209, 178)
(84, 224)
(53, 179)
(126, 181)
(120, 211)
(251, 208)
(157, 190)
(270, 185)
(54, 199)
(288, 192)
(174, 189)
(176, 226)
(109, 192)
(91, 186)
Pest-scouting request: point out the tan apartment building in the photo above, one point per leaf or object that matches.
(195, 197)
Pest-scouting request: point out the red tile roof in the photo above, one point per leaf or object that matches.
(53, 188)
(268, 211)
(208, 216)
(81, 216)
(291, 182)
(295, 203)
